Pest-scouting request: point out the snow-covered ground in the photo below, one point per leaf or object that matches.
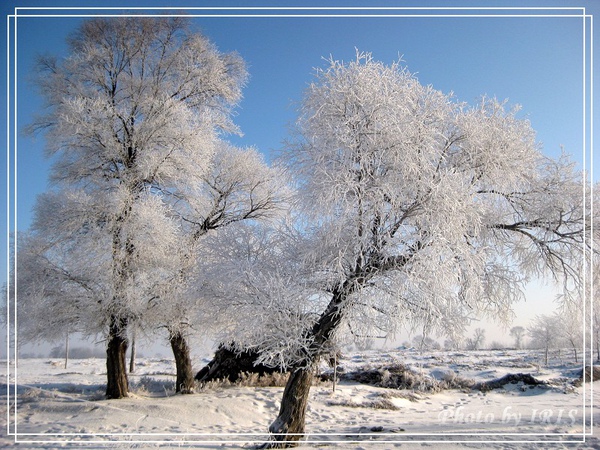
(57, 407)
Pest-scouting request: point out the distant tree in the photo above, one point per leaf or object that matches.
(412, 208)
(518, 333)
(570, 332)
(452, 344)
(544, 332)
(425, 343)
(476, 342)
(133, 117)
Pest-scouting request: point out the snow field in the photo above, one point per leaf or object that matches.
(56, 406)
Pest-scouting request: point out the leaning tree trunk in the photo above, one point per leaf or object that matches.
(116, 366)
(288, 428)
(183, 362)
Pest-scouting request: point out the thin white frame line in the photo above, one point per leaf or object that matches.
(270, 8)
(591, 273)
(583, 193)
(266, 433)
(311, 16)
(346, 433)
(15, 219)
(301, 8)
(587, 180)
(8, 216)
(301, 441)
(590, 78)
(308, 441)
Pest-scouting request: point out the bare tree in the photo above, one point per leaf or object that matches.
(545, 333)
(412, 208)
(518, 333)
(425, 343)
(452, 344)
(570, 331)
(134, 114)
(476, 342)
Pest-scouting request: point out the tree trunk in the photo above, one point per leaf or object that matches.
(132, 356)
(288, 428)
(183, 362)
(334, 371)
(116, 367)
(67, 350)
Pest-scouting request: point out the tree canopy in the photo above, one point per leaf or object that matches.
(410, 208)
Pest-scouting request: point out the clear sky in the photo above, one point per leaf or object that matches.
(536, 61)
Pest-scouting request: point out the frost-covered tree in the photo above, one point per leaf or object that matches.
(452, 344)
(544, 332)
(411, 208)
(425, 343)
(239, 187)
(570, 331)
(134, 114)
(476, 342)
(518, 333)
(589, 297)
(579, 310)
(60, 287)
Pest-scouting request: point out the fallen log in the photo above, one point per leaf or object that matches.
(228, 364)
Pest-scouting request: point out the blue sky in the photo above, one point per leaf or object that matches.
(536, 62)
